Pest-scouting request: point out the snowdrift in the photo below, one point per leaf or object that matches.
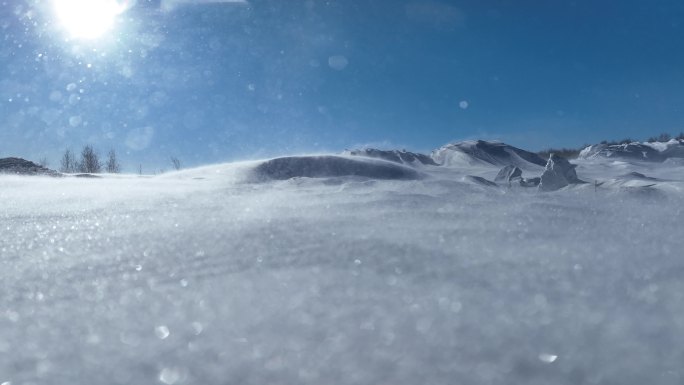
(326, 166)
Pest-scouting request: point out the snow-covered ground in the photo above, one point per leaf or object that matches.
(218, 275)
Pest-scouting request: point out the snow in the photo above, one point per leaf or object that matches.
(332, 166)
(210, 276)
(655, 152)
(558, 174)
(480, 152)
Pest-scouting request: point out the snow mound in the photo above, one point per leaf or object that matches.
(651, 152)
(558, 174)
(471, 153)
(24, 167)
(636, 176)
(325, 166)
(481, 181)
(396, 156)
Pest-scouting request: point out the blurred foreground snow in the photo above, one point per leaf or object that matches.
(205, 277)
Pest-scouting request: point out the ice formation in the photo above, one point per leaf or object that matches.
(558, 174)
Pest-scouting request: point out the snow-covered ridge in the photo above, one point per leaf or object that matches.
(650, 152)
(480, 152)
(397, 156)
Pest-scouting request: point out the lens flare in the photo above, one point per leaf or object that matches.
(88, 19)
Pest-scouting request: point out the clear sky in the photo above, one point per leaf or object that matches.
(209, 81)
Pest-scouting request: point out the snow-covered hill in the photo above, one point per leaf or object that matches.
(344, 270)
(18, 166)
(650, 152)
(470, 153)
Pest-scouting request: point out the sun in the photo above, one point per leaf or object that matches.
(87, 19)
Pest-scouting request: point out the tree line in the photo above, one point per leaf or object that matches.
(89, 162)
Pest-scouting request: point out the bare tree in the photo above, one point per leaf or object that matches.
(90, 161)
(68, 162)
(43, 162)
(176, 163)
(113, 166)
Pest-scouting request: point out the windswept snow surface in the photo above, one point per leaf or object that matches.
(207, 276)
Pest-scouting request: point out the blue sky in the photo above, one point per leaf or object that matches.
(216, 81)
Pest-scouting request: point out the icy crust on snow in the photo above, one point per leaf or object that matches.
(470, 153)
(205, 277)
(324, 166)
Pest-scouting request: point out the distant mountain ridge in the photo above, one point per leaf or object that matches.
(647, 151)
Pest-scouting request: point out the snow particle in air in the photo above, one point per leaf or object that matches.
(463, 104)
(71, 87)
(547, 358)
(338, 62)
(162, 332)
(197, 328)
(55, 96)
(139, 138)
(423, 325)
(75, 121)
(169, 375)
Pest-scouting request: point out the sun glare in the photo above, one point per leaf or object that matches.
(87, 19)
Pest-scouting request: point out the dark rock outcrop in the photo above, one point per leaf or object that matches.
(20, 166)
(87, 176)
